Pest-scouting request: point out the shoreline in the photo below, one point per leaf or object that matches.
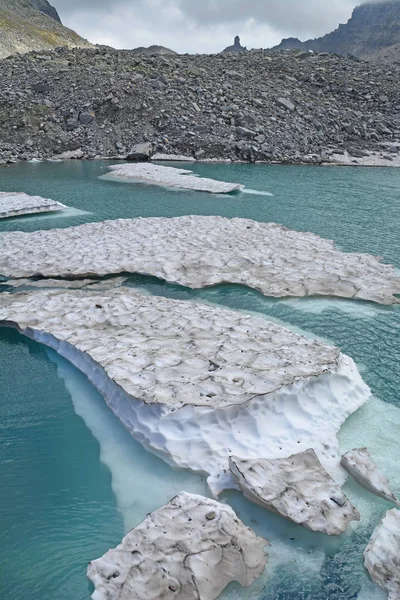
(379, 163)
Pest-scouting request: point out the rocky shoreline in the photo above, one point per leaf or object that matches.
(271, 107)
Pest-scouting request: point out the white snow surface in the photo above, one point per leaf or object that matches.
(172, 157)
(190, 549)
(362, 468)
(198, 251)
(195, 383)
(298, 488)
(171, 177)
(14, 204)
(382, 555)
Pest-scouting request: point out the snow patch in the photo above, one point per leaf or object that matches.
(15, 204)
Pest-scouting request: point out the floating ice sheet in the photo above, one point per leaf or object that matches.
(191, 548)
(195, 383)
(171, 177)
(197, 252)
(14, 204)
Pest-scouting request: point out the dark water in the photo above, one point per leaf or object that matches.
(72, 478)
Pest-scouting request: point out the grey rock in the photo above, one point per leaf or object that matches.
(285, 104)
(85, 118)
(245, 133)
(140, 152)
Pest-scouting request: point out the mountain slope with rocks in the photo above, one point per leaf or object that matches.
(241, 106)
(27, 25)
(372, 30)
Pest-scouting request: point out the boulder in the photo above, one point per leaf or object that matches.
(362, 468)
(85, 118)
(285, 103)
(191, 548)
(298, 488)
(141, 152)
(382, 555)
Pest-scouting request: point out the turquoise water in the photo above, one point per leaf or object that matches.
(73, 480)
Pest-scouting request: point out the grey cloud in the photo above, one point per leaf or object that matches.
(201, 25)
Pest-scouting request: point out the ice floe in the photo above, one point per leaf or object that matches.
(14, 204)
(198, 251)
(362, 468)
(298, 488)
(382, 555)
(171, 177)
(195, 383)
(191, 548)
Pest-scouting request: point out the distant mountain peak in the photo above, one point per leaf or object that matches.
(46, 8)
(27, 25)
(372, 28)
(237, 47)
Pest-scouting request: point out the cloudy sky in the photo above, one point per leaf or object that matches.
(201, 26)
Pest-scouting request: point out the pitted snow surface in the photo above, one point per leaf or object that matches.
(171, 352)
(298, 488)
(382, 555)
(13, 204)
(206, 376)
(197, 251)
(190, 549)
(171, 177)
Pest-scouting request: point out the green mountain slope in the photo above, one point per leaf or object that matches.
(27, 25)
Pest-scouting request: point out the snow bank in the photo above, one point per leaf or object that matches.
(171, 177)
(196, 383)
(14, 204)
(197, 252)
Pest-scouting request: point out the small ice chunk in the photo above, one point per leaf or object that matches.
(362, 468)
(191, 548)
(382, 555)
(298, 488)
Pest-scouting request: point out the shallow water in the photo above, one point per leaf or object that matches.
(74, 480)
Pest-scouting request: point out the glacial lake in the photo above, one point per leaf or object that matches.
(73, 481)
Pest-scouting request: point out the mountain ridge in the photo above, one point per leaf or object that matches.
(372, 29)
(27, 25)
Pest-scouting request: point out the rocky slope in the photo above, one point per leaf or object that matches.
(371, 31)
(251, 106)
(27, 25)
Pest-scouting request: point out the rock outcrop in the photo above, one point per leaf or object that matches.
(298, 488)
(190, 549)
(382, 555)
(195, 383)
(14, 204)
(373, 28)
(27, 25)
(236, 47)
(197, 251)
(362, 468)
(229, 106)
